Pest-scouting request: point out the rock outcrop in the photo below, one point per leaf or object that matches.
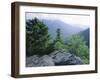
(60, 57)
(56, 58)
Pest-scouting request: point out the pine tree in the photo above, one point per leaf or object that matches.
(58, 36)
(37, 38)
(58, 43)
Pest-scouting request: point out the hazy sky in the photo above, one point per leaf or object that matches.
(70, 19)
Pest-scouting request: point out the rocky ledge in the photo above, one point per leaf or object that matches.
(56, 58)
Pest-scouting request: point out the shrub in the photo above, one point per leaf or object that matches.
(76, 45)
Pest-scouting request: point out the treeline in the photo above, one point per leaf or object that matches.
(39, 41)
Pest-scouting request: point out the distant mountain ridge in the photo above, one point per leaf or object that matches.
(66, 29)
(86, 36)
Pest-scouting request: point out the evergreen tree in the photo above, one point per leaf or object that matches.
(58, 36)
(37, 38)
(58, 43)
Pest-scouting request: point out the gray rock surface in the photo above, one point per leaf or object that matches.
(60, 57)
(32, 61)
(46, 61)
(56, 58)
(37, 61)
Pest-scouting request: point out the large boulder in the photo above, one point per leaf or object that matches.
(61, 57)
(36, 61)
(32, 61)
(46, 61)
(56, 58)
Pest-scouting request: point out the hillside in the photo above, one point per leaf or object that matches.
(86, 36)
(66, 29)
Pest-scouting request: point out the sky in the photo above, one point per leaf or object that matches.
(66, 18)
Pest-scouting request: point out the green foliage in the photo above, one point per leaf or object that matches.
(58, 36)
(77, 46)
(58, 43)
(37, 38)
